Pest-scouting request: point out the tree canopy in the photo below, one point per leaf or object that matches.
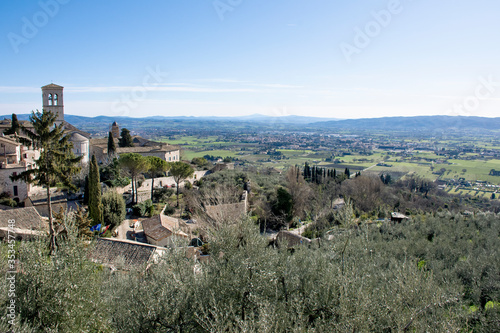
(157, 168)
(180, 171)
(113, 208)
(134, 164)
(125, 139)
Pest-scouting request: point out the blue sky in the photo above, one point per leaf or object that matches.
(325, 58)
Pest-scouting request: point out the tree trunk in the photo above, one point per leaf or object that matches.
(52, 234)
(136, 192)
(177, 194)
(132, 187)
(152, 187)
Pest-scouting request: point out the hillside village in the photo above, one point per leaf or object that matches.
(30, 201)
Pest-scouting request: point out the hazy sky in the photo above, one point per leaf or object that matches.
(325, 58)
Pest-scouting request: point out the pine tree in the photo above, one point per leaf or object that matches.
(56, 164)
(134, 164)
(95, 201)
(180, 171)
(111, 145)
(125, 139)
(157, 168)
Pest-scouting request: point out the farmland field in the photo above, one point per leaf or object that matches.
(425, 163)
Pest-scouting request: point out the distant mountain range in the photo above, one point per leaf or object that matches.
(414, 123)
(251, 118)
(387, 123)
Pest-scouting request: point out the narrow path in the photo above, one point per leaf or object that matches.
(369, 167)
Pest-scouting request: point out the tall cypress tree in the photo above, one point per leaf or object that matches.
(307, 172)
(86, 191)
(347, 173)
(95, 202)
(111, 145)
(15, 127)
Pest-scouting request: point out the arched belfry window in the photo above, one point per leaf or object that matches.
(50, 100)
(56, 99)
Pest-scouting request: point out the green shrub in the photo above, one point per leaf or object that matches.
(365, 279)
(150, 211)
(162, 194)
(114, 208)
(141, 209)
(169, 210)
(8, 202)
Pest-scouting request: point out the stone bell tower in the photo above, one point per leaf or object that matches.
(52, 97)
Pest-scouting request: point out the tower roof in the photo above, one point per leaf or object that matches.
(77, 137)
(52, 86)
(114, 124)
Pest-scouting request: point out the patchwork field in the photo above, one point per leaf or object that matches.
(423, 163)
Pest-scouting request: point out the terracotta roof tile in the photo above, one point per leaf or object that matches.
(115, 252)
(25, 218)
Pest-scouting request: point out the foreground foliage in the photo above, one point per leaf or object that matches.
(435, 273)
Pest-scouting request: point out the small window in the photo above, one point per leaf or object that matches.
(15, 191)
(50, 99)
(14, 174)
(56, 99)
